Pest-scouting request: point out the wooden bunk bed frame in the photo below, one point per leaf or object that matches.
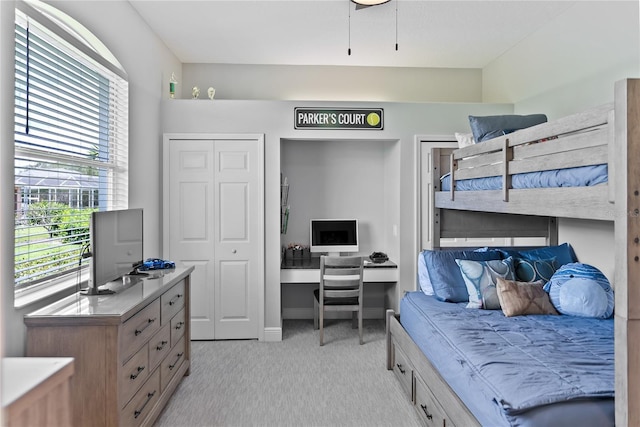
(609, 134)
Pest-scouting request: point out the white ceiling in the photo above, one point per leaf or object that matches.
(446, 33)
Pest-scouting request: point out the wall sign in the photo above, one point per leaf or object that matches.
(352, 118)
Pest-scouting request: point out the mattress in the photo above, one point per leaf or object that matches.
(518, 371)
(582, 176)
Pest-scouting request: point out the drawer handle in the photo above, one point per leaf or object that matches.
(424, 409)
(179, 325)
(137, 412)
(149, 322)
(178, 356)
(400, 368)
(134, 376)
(162, 344)
(175, 299)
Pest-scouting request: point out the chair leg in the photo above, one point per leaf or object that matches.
(315, 313)
(360, 326)
(354, 320)
(321, 314)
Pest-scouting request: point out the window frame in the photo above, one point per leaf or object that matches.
(75, 37)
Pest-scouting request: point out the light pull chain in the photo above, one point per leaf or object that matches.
(349, 6)
(396, 25)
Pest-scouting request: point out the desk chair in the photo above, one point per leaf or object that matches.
(340, 289)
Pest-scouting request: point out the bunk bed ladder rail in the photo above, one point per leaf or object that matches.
(507, 156)
(453, 165)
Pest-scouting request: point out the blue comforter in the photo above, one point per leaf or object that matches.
(504, 368)
(582, 176)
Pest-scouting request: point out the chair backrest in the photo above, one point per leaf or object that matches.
(341, 277)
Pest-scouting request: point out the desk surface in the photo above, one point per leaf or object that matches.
(313, 263)
(308, 271)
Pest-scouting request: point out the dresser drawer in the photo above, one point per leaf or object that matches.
(178, 327)
(133, 374)
(429, 410)
(403, 370)
(171, 364)
(142, 403)
(159, 346)
(172, 302)
(138, 329)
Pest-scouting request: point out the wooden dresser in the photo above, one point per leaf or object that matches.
(131, 348)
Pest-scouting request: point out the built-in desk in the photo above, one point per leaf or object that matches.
(308, 271)
(298, 278)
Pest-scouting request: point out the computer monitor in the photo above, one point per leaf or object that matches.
(334, 236)
(116, 246)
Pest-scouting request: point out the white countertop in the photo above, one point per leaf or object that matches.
(128, 297)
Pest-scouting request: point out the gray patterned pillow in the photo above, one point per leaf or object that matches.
(480, 279)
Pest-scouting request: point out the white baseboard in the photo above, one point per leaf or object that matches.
(273, 334)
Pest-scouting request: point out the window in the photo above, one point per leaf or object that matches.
(71, 142)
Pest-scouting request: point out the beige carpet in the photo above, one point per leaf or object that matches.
(292, 383)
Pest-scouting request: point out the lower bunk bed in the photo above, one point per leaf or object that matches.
(464, 367)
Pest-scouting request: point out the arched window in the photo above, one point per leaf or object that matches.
(71, 142)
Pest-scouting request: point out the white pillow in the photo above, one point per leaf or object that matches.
(423, 276)
(464, 139)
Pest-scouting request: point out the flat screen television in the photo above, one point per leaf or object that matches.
(334, 236)
(116, 246)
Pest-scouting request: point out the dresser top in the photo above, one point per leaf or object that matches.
(22, 375)
(130, 296)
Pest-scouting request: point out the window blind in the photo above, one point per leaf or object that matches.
(71, 150)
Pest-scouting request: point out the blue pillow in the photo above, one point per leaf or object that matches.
(532, 270)
(446, 280)
(562, 253)
(487, 127)
(423, 276)
(578, 289)
(481, 278)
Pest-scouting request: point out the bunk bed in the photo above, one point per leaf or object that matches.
(606, 138)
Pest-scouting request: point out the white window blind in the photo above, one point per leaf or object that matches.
(71, 150)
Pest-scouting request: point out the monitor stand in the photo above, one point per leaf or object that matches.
(334, 254)
(96, 291)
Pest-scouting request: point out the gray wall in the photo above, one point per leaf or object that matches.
(323, 83)
(7, 77)
(584, 49)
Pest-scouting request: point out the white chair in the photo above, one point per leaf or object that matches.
(340, 289)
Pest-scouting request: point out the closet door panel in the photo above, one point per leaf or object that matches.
(238, 239)
(189, 203)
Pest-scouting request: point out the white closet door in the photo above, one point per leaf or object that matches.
(214, 220)
(189, 219)
(239, 245)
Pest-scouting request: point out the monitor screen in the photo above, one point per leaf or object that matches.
(334, 235)
(116, 245)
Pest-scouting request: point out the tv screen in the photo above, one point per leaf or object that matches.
(334, 235)
(116, 245)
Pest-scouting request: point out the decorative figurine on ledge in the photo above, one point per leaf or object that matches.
(211, 92)
(172, 86)
(195, 92)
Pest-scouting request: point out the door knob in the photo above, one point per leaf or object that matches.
(233, 251)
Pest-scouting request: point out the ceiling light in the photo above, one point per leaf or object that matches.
(369, 2)
(361, 4)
